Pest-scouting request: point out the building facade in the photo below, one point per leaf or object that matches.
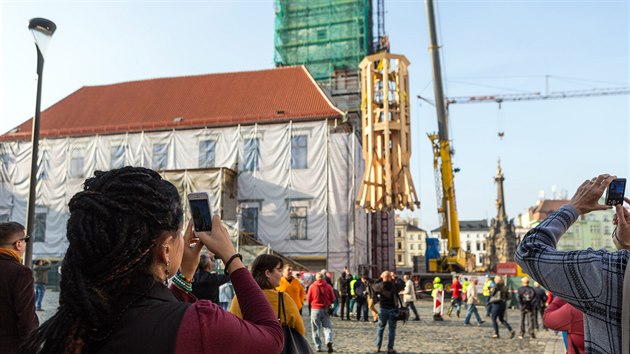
(591, 230)
(410, 243)
(297, 165)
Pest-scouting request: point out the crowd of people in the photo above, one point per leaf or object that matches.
(134, 279)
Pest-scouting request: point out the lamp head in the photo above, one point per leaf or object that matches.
(42, 30)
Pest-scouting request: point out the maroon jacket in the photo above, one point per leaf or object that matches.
(17, 304)
(207, 328)
(561, 316)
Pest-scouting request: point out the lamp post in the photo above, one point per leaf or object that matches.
(42, 30)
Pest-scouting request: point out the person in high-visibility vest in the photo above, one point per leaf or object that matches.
(437, 299)
(353, 295)
(487, 288)
(465, 286)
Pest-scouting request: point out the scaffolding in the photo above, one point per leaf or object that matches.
(323, 35)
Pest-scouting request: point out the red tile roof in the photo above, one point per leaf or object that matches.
(266, 96)
(545, 208)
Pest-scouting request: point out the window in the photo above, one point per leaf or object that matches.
(44, 167)
(398, 234)
(77, 163)
(400, 258)
(249, 221)
(484, 246)
(298, 223)
(39, 228)
(606, 230)
(399, 245)
(595, 229)
(117, 156)
(250, 155)
(468, 246)
(478, 246)
(207, 153)
(299, 150)
(160, 157)
(412, 247)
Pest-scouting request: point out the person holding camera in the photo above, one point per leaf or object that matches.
(41, 268)
(387, 288)
(590, 280)
(126, 240)
(320, 296)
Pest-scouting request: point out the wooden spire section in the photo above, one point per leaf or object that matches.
(387, 182)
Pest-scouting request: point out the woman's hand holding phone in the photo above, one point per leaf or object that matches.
(218, 242)
(192, 251)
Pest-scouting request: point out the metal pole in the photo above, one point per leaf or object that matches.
(32, 190)
(440, 104)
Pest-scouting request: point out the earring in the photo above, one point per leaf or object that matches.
(168, 263)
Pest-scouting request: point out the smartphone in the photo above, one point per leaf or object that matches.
(615, 191)
(201, 211)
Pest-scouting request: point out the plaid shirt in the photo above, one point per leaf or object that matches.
(591, 280)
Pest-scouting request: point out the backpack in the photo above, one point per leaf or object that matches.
(527, 297)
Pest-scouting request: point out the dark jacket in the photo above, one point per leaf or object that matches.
(17, 304)
(206, 285)
(41, 273)
(388, 292)
(149, 325)
(343, 284)
(541, 298)
(499, 294)
(526, 297)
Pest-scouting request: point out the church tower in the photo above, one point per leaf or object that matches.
(501, 242)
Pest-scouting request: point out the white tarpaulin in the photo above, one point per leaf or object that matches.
(297, 182)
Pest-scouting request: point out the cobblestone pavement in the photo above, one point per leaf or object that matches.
(424, 336)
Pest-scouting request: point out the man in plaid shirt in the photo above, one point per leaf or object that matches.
(591, 280)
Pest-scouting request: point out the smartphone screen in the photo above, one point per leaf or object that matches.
(202, 217)
(616, 191)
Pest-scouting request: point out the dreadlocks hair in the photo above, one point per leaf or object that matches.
(114, 224)
(260, 265)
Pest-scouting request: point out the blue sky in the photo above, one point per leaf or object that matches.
(489, 47)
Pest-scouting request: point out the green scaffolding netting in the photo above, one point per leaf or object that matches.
(324, 35)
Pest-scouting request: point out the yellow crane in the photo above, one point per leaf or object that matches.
(455, 260)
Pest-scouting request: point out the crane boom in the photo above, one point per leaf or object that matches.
(531, 96)
(442, 153)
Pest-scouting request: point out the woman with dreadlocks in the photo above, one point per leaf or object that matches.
(125, 242)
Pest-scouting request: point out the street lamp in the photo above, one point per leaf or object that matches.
(42, 30)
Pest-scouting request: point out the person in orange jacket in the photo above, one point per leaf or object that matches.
(292, 286)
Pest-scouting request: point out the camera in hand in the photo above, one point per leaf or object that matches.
(615, 191)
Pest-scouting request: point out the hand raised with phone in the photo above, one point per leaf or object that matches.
(218, 240)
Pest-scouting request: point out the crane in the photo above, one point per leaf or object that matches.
(455, 260)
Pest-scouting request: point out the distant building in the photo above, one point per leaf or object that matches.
(410, 242)
(472, 235)
(591, 230)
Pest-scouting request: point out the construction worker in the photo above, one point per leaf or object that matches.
(438, 297)
(487, 288)
(465, 285)
(353, 294)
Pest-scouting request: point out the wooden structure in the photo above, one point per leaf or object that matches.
(386, 182)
